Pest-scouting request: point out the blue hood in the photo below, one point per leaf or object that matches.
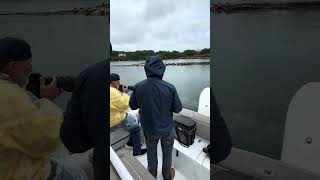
(154, 67)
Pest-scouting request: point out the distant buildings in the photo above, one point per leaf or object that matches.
(122, 55)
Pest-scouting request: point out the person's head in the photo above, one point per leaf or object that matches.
(15, 59)
(114, 80)
(154, 67)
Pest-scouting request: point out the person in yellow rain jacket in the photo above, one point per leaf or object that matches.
(29, 126)
(120, 118)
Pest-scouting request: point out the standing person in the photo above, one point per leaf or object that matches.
(157, 100)
(120, 118)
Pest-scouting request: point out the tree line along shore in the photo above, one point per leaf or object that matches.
(144, 54)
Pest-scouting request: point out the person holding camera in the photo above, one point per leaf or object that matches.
(29, 126)
(120, 118)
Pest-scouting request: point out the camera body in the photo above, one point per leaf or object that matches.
(121, 86)
(67, 83)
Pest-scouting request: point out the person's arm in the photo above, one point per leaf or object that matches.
(73, 133)
(133, 101)
(29, 128)
(177, 106)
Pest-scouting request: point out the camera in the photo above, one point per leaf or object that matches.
(67, 83)
(121, 86)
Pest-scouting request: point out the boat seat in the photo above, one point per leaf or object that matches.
(118, 138)
(300, 142)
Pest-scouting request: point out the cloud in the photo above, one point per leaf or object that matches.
(160, 25)
(156, 9)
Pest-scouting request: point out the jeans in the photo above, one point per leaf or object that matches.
(166, 146)
(131, 124)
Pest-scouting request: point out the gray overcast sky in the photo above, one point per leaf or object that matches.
(160, 24)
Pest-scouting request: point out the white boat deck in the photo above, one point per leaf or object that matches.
(190, 164)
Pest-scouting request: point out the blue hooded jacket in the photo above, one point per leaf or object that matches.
(156, 98)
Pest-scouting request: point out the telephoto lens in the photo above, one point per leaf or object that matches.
(121, 86)
(67, 83)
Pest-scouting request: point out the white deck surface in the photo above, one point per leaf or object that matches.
(191, 163)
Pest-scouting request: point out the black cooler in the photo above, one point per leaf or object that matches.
(185, 129)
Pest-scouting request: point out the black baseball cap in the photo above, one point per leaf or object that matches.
(14, 49)
(114, 77)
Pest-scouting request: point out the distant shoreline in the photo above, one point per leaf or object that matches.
(185, 63)
(144, 54)
(234, 7)
(191, 57)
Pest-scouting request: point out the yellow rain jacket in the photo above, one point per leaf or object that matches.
(119, 104)
(29, 133)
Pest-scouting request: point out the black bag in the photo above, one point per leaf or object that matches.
(185, 129)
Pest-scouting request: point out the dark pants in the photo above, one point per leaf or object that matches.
(135, 139)
(167, 141)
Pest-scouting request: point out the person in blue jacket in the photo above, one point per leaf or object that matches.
(157, 100)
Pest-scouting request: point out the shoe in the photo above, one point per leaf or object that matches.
(143, 151)
(173, 173)
(131, 144)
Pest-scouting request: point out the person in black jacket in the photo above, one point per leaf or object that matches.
(85, 124)
(157, 100)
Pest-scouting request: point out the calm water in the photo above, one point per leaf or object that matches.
(260, 61)
(188, 80)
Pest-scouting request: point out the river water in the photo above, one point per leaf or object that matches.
(189, 80)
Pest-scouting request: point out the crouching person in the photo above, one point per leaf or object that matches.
(120, 118)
